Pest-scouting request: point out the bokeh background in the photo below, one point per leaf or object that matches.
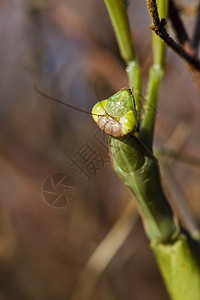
(93, 247)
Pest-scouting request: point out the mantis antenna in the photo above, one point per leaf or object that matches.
(61, 102)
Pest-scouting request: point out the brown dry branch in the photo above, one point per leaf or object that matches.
(177, 23)
(158, 27)
(185, 50)
(196, 34)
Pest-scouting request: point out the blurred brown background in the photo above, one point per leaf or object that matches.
(95, 247)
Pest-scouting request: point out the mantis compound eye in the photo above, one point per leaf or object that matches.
(128, 122)
(99, 109)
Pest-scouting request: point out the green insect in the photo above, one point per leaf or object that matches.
(117, 115)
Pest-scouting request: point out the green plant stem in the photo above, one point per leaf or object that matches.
(179, 265)
(136, 166)
(150, 108)
(155, 77)
(133, 72)
(138, 169)
(118, 15)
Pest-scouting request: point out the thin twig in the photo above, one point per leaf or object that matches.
(196, 35)
(181, 32)
(177, 23)
(158, 27)
(184, 40)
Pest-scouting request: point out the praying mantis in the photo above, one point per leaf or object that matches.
(117, 115)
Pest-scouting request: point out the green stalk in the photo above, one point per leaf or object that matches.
(138, 169)
(153, 87)
(118, 14)
(136, 166)
(179, 265)
(133, 73)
